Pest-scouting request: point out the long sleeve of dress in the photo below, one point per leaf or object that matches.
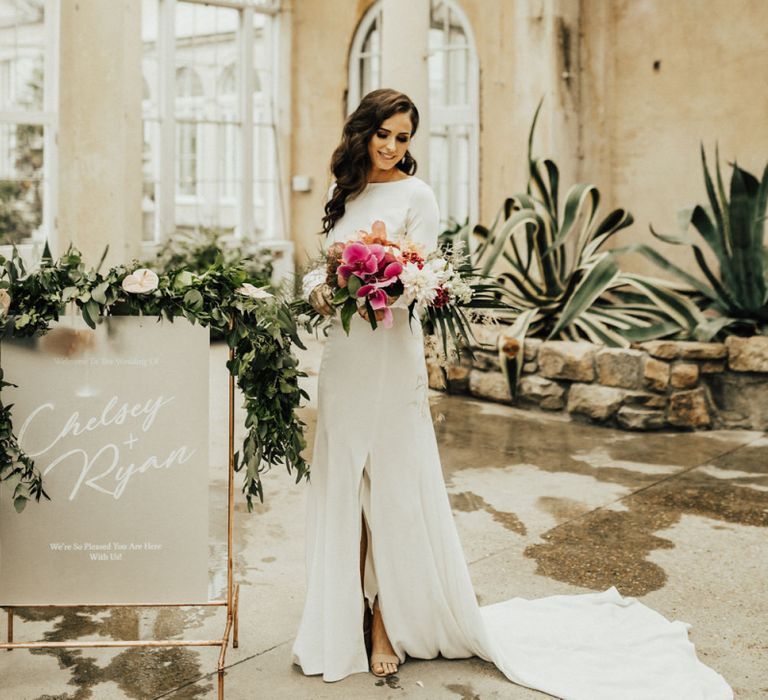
(422, 223)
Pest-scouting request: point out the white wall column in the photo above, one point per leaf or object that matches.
(404, 42)
(100, 130)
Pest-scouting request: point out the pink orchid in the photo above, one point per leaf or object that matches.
(377, 298)
(392, 270)
(360, 260)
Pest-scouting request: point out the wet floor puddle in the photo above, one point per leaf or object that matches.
(609, 546)
(138, 673)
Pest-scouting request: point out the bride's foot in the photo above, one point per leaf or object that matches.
(384, 661)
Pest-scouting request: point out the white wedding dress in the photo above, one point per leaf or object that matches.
(375, 450)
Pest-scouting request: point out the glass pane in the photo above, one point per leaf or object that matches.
(21, 181)
(458, 72)
(370, 62)
(149, 171)
(262, 55)
(370, 72)
(228, 160)
(436, 68)
(22, 53)
(438, 169)
(459, 168)
(186, 159)
(458, 62)
(265, 219)
(436, 65)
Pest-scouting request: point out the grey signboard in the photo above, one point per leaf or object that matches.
(116, 418)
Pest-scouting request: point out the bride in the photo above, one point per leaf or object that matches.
(385, 567)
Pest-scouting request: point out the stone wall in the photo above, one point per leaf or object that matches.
(655, 385)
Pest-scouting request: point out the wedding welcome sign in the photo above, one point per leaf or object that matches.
(116, 419)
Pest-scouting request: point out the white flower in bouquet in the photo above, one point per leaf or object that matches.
(419, 285)
(254, 292)
(458, 290)
(441, 267)
(141, 281)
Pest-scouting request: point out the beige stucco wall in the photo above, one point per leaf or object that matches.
(100, 137)
(711, 86)
(524, 49)
(609, 117)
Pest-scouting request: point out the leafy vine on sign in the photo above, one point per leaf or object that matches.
(257, 326)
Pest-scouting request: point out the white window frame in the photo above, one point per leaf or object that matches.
(373, 14)
(467, 115)
(48, 118)
(165, 205)
(440, 116)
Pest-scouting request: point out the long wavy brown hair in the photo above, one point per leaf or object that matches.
(350, 163)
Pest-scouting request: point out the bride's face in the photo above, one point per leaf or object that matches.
(390, 141)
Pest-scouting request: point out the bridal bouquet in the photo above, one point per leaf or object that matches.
(370, 275)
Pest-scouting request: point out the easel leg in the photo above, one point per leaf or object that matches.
(9, 612)
(235, 621)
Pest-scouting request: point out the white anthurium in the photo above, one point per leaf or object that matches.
(254, 292)
(141, 281)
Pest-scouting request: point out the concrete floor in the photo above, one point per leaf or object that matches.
(543, 506)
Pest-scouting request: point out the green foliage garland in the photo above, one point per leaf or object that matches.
(260, 330)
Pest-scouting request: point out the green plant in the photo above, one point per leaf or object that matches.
(259, 330)
(201, 249)
(733, 228)
(561, 281)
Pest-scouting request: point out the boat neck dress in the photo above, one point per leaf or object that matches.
(376, 453)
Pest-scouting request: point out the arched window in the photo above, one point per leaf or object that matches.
(453, 100)
(227, 86)
(365, 57)
(188, 83)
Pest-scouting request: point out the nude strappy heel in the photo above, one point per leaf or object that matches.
(382, 658)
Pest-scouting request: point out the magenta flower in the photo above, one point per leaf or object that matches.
(392, 270)
(377, 298)
(360, 260)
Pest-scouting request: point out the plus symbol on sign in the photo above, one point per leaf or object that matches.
(130, 441)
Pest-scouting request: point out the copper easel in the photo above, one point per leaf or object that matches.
(231, 603)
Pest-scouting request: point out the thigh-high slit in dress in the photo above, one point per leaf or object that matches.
(375, 454)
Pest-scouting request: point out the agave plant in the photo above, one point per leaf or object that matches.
(562, 283)
(734, 230)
